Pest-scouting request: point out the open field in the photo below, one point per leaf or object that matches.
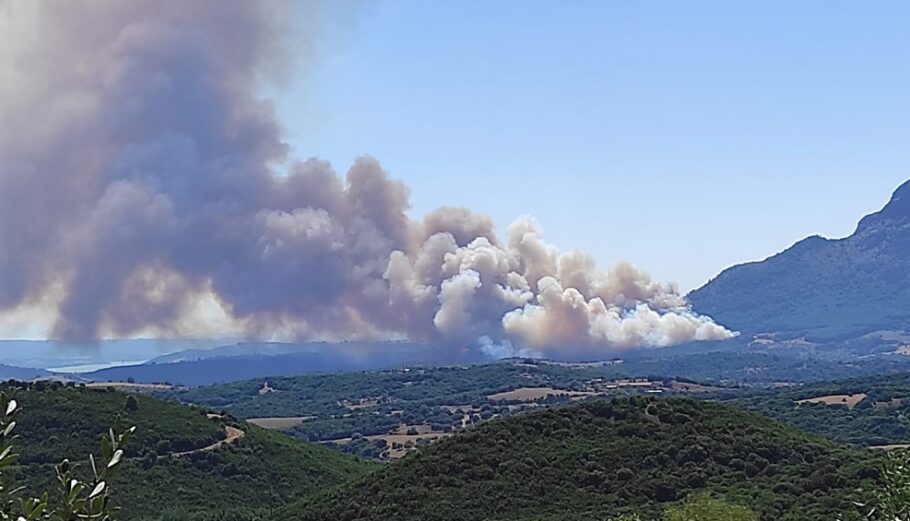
(359, 404)
(279, 423)
(896, 446)
(850, 400)
(399, 442)
(584, 365)
(529, 394)
(694, 388)
(130, 387)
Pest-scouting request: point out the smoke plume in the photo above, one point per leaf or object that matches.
(144, 183)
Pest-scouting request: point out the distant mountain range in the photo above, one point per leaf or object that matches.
(244, 361)
(839, 293)
(823, 289)
(9, 372)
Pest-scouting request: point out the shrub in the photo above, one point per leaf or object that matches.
(80, 499)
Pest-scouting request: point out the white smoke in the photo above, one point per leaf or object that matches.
(141, 186)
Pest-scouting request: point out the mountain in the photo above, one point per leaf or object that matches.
(825, 289)
(597, 459)
(9, 372)
(182, 463)
(245, 361)
(57, 355)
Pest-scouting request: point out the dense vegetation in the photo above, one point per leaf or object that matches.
(339, 406)
(636, 456)
(64, 421)
(76, 497)
(322, 395)
(603, 458)
(882, 417)
(246, 478)
(335, 406)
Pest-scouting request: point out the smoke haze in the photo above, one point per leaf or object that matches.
(145, 187)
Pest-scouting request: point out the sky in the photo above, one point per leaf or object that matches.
(684, 137)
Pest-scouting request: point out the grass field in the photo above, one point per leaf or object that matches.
(850, 400)
(529, 394)
(279, 423)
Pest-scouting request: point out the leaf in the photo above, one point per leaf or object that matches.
(99, 488)
(115, 460)
(11, 407)
(106, 448)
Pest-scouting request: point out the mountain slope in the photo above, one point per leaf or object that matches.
(175, 468)
(10, 372)
(823, 288)
(599, 458)
(245, 361)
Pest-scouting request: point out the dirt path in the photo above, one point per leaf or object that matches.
(896, 446)
(232, 435)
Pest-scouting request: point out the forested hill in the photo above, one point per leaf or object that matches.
(868, 411)
(597, 459)
(183, 464)
(823, 288)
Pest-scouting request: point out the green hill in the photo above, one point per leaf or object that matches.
(174, 470)
(866, 411)
(597, 459)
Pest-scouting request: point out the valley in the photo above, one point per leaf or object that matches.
(454, 261)
(595, 442)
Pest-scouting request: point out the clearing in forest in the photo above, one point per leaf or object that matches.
(850, 400)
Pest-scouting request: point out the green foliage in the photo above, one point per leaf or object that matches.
(705, 508)
(892, 499)
(78, 498)
(63, 421)
(323, 395)
(600, 459)
(881, 418)
(411, 397)
(247, 478)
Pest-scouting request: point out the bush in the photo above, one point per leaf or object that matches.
(80, 499)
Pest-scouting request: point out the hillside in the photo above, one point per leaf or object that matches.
(383, 406)
(180, 465)
(10, 372)
(596, 459)
(823, 288)
(244, 361)
(869, 411)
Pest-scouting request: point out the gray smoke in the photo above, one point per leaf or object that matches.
(144, 182)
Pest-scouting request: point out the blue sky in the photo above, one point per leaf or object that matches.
(681, 136)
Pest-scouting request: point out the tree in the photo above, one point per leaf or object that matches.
(893, 499)
(80, 500)
(132, 404)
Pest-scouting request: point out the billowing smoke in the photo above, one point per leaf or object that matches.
(144, 183)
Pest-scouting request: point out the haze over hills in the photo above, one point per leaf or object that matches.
(243, 361)
(825, 289)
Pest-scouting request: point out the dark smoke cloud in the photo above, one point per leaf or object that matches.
(142, 177)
